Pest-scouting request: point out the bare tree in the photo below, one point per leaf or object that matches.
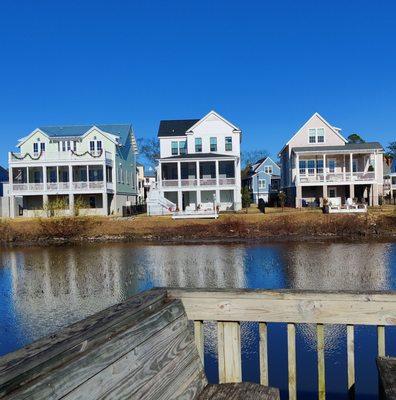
(251, 156)
(149, 151)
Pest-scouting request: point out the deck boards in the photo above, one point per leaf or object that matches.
(239, 391)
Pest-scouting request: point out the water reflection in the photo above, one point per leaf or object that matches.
(42, 290)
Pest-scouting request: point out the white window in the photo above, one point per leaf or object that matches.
(316, 135)
(268, 169)
(302, 167)
(262, 183)
(354, 165)
(332, 192)
(42, 147)
(35, 148)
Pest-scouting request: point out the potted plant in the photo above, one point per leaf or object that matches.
(325, 207)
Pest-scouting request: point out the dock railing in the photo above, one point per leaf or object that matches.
(230, 307)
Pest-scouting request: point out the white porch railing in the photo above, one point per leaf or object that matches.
(59, 186)
(196, 182)
(337, 177)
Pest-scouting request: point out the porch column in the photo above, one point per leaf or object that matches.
(12, 207)
(298, 196)
(297, 169)
(105, 201)
(119, 178)
(180, 200)
(375, 194)
(159, 175)
(344, 169)
(198, 197)
(324, 171)
(218, 197)
(27, 176)
(45, 200)
(351, 166)
(70, 176)
(352, 191)
(71, 203)
(198, 179)
(325, 192)
(45, 177)
(217, 172)
(179, 174)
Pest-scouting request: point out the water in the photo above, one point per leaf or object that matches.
(44, 289)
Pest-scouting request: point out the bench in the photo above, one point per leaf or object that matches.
(142, 348)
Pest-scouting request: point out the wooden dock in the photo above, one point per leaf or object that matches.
(151, 346)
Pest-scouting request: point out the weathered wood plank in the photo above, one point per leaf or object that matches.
(263, 351)
(351, 360)
(381, 341)
(293, 307)
(171, 378)
(229, 349)
(291, 361)
(60, 381)
(321, 361)
(239, 391)
(25, 359)
(137, 367)
(221, 352)
(199, 339)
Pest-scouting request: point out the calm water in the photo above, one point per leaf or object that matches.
(42, 290)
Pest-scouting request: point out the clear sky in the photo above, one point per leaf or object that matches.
(266, 66)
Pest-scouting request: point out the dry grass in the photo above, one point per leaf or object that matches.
(273, 224)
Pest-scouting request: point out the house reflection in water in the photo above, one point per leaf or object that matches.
(53, 287)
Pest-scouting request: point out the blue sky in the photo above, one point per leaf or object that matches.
(266, 66)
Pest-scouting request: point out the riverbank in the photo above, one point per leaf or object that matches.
(275, 224)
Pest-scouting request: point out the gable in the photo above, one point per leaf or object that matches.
(213, 123)
(331, 136)
(269, 162)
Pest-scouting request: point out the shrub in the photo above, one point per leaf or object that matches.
(246, 197)
(63, 227)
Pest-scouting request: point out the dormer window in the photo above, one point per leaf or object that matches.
(268, 169)
(316, 135)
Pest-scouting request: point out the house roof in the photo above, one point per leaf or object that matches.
(121, 130)
(175, 127)
(346, 147)
(199, 155)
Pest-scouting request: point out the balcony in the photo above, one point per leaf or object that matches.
(55, 187)
(62, 156)
(174, 183)
(337, 177)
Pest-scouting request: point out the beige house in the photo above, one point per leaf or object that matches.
(318, 162)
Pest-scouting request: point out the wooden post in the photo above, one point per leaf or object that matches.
(199, 339)
(229, 351)
(291, 357)
(321, 362)
(351, 360)
(263, 353)
(381, 340)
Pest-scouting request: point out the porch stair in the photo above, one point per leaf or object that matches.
(157, 204)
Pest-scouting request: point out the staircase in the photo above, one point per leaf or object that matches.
(157, 204)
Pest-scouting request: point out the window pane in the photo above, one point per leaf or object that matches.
(198, 145)
(99, 145)
(35, 147)
(183, 147)
(92, 146)
(213, 144)
(175, 148)
(228, 143)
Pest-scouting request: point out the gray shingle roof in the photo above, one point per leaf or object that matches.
(121, 130)
(199, 155)
(176, 127)
(346, 147)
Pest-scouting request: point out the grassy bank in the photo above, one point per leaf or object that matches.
(253, 225)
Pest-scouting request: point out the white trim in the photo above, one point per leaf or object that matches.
(324, 121)
(26, 138)
(210, 113)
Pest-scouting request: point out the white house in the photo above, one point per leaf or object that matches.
(318, 162)
(92, 165)
(199, 165)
